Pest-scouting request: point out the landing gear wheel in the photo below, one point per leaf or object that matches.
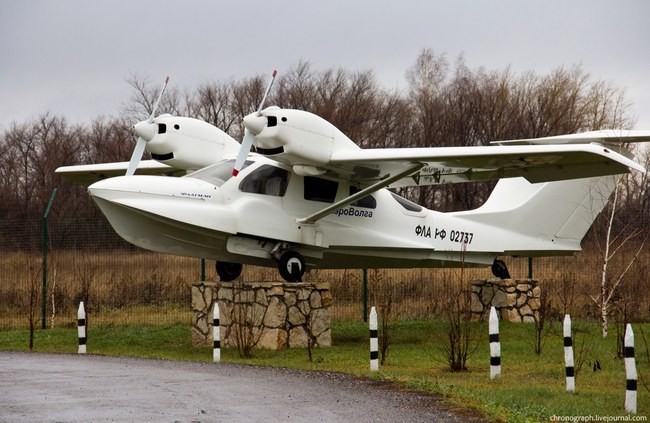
(228, 272)
(292, 266)
(500, 270)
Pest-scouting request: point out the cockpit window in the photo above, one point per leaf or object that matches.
(219, 173)
(408, 205)
(319, 189)
(267, 180)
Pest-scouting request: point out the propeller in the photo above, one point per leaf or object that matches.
(247, 142)
(142, 142)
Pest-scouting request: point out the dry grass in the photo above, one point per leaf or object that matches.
(119, 287)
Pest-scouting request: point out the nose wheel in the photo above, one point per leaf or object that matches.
(291, 266)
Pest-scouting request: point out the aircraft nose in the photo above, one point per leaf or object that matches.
(255, 123)
(145, 130)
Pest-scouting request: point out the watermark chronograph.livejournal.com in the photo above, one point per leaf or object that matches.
(597, 418)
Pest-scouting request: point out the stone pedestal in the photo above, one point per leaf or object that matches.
(277, 315)
(516, 300)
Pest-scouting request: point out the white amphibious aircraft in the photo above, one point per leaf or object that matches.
(309, 197)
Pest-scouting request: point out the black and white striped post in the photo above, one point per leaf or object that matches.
(216, 334)
(568, 356)
(630, 371)
(495, 345)
(374, 341)
(81, 328)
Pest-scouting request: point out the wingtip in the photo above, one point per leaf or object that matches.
(639, 168)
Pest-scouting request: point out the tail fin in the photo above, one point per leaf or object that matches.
(557, 212)
(551, 218)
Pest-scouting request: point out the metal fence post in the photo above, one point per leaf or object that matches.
(365, 295)
(44, 247)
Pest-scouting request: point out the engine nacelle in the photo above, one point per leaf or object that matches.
(187, 143)
(296, 137)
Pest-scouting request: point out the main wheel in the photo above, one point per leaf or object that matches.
(291, 266)
(228, 272)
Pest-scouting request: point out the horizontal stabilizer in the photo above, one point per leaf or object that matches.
(605, 137)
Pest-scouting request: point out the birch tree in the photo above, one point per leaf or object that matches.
(613, 245)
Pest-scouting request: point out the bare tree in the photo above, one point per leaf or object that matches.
(297, 88)
(143, 99)
(30, 303)
(383, 293)
(85, 270)
(247, 95)
(582, 346)
(541, 319)
(246, 318)
(459, 345)
(213, 103)
(612, 245)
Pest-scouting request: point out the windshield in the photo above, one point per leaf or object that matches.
(219, 173)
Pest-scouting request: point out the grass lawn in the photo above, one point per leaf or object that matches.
(531, 387)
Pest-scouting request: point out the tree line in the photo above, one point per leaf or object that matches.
(445, 103)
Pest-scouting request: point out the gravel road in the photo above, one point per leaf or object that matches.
(70, 388)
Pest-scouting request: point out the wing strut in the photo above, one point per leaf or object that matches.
(364, 192)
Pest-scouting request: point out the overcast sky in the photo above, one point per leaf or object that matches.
(72, 58)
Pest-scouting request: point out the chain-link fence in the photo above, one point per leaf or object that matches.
(121, 284)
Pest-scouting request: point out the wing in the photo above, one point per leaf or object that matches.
(536, 163)
(314, 146)
(88, 174)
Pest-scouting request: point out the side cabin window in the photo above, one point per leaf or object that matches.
(319, 189)
(408, 205)
(368, 202)
(267, 180)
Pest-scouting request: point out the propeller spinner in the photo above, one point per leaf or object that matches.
(145, 130)
(247, 142)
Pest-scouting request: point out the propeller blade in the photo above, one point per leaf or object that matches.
(155, 105)
(138, 151)
(268, 89)
(136, 156)
(247, 142)
(243, 151)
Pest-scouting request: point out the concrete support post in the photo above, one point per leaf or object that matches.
(568, 356)
(374, 341)
(495, 345)
(81, 328)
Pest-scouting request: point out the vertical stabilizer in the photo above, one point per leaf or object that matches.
(561, 212)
